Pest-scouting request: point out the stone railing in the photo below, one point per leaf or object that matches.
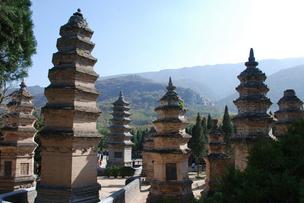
(125, 194)
(18, 196)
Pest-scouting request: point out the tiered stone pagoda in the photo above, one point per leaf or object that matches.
(120, 144)
(69, 138)
(170, 152)
(148, 164)
(252, 121)
(16, 142)
(216, 160)
(290, 110)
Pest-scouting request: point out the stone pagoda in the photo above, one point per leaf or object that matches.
(69, 138)
(170, 152)
(252, 120)
(147, 168)
(216, 160)
(119, 143)
(290, 110)
(17, 143)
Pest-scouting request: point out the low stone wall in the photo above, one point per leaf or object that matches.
(18, 196)
(125, 195)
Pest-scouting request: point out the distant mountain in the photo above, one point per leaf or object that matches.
(290, 78)
(143, 95)
(216, 81)
(199, 86)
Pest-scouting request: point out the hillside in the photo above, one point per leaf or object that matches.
(290, 78)
(143, 95)
(216, 81)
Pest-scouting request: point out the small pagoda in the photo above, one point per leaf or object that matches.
(216, 160)
(16, 142)
(120, 144)
(147, 167)
(252, 121)
(290, 110)
(69, 137)
(170, 152)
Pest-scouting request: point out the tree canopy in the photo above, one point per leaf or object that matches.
(17, 41)
(275, 172)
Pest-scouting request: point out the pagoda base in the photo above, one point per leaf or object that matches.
(15, 183)
(51, 194)
(177, 191)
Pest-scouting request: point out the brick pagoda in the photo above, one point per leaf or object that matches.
(147, 167)
(290, 110)
(170, 152)
(216, 160)
(120, 144)
(69, 138)
(252, 121)
(17, 143)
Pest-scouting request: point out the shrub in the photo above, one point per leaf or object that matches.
(275, 173)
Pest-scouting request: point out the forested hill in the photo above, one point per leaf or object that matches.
(143, 95)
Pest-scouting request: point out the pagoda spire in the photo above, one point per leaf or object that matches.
(16, 142)
(290, 111)
(252, 120)
(169, 152)
(70, 135)
(251, 59)
(119, 141)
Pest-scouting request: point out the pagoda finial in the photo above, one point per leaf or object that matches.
(120, 94)
(251, 59)
(78, 12)
(251, 55)
(170, 82)
(22, 84)
(170, 85)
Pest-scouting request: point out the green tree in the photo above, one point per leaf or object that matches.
(138, 140)
(38, 125)
(17, 41)
(275, 172)
(204, 126)
(104, 132)
(198, 141)
(227, 128)
(209, 122)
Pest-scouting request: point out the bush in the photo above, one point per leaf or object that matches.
(126, 171)
(275, 173)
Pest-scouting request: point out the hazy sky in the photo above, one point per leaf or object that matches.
(142, 35)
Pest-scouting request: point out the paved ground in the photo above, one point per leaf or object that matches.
(110, 185)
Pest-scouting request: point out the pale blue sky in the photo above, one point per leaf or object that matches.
(141, 35)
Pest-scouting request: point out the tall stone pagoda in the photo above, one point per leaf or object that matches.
(170, 152)
(17, 143)
(69, 138)
(119, 143)
(290, 110)
(147, 167)
(216, 160)
(252, 120)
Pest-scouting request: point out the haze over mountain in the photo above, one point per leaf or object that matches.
(217, 81)
(200, 87)
(143, 95)
(290, 78)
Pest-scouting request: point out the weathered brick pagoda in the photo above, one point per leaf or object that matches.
(16, 142)
(216, 160)
(170, 152)
(119, 143)
(69, 138)
(148, 165)
(252, 121)
(290, 110)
